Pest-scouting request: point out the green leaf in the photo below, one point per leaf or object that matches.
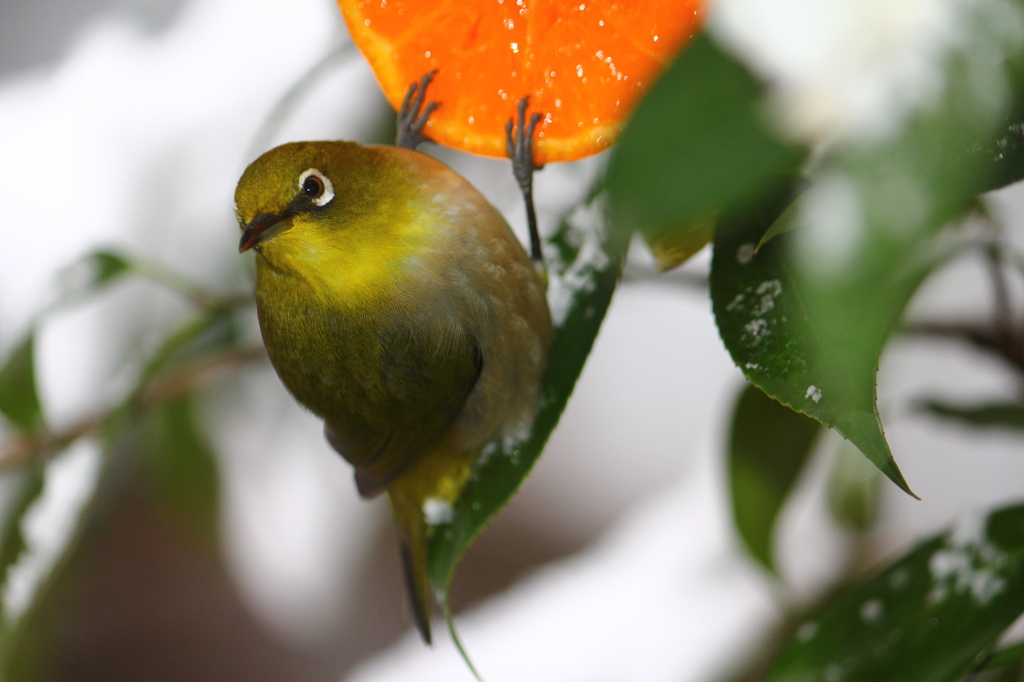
(673, 248)
(1011, 672)
(583, 279)
(696, 145)
(1007, 415)
(865, 239)
(926, 617)
(40, 535)
(106, 266)
(1004, 150)
(212, 330)
(182, 467)
(768, 446)
(19, 399)
(89, 275)
(761, 316)
(854, 490)
(786, 221)
(28, 487)
(1006, 656)
(25, 489)
(1000, 154)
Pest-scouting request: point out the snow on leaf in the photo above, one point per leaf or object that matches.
(968, 564)
(588, 224)
(49, 524)
(871, 611)
(437, 511)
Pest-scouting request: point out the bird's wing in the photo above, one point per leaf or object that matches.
(427, 378)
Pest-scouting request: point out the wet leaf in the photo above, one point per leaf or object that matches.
(583, 279)
(1008, 415)
(925, 617)
(768, 446)
(19, 398)
(696, 145)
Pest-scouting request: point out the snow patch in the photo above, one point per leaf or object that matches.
(806, 631)
(768, 291)
(871, 611)
(858, 70)
(899, 579)
(832, 215)
(49, 524)
(735, 303)
(437, 511)
(756, 302)
(588, 221)
(756, 331)
(968, 564)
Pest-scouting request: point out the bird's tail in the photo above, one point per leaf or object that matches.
(412, 531)
(429, 486)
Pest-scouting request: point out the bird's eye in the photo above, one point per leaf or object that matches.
(316, 187)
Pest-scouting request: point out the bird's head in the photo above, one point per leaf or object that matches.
(313, 188)
(327, 207)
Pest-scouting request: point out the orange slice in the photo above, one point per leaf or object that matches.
(584, 64)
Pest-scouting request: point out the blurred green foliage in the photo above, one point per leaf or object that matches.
(815, 259)
(768, 446)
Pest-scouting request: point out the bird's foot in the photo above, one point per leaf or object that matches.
(519, 143)
(413, 115)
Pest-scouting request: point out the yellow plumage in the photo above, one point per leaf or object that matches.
(396, 304)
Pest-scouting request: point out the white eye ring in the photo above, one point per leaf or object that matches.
(320, 190)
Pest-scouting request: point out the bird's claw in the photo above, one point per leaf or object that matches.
(519, 145)
(413, 115)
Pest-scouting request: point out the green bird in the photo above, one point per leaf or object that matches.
(397, 305)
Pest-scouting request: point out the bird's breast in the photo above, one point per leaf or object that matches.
(327, 353)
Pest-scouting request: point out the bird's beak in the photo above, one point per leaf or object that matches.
(262, 227)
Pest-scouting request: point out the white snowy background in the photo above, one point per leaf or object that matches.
(127, 124)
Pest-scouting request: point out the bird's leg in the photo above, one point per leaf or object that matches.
(520, 151)
(413, 116)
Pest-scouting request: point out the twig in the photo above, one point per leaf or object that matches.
(163, 388)
(202, 298)
(993, 341)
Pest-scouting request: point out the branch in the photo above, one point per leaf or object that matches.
(163, 388)
(994, 341)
